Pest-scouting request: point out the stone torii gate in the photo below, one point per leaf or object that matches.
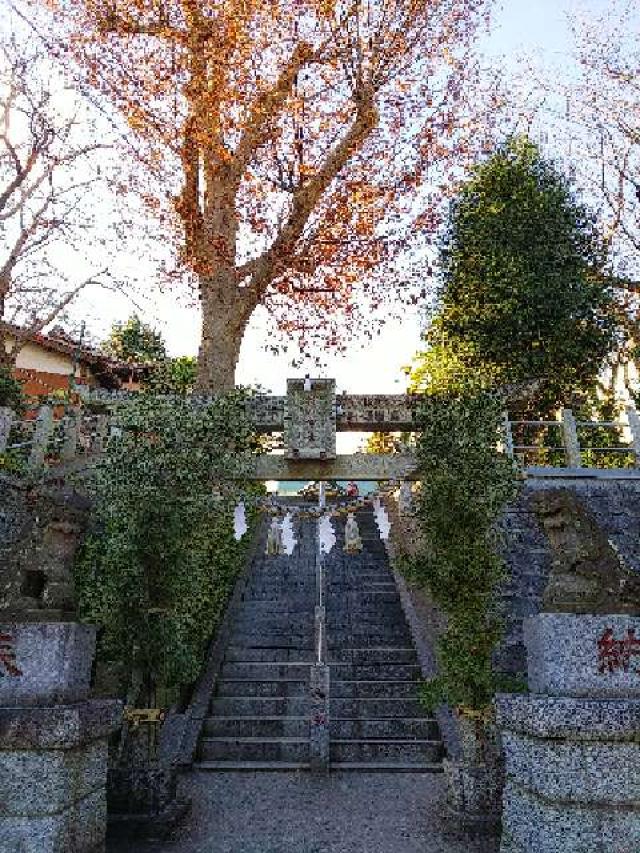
(310, 416)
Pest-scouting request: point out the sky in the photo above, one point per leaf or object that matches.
(535, 28)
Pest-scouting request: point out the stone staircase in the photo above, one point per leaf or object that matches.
(376, 720)
(259, 714)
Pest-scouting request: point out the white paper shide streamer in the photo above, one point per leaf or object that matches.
(289, 541)
(382, 519)
(239, 521)
(326, 535)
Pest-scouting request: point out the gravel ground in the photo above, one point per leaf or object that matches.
(299, 813)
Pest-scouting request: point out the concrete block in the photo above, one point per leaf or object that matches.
(578, 655)
(45, 664)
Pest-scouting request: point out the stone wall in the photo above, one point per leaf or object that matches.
(41, 528)
(615, 505)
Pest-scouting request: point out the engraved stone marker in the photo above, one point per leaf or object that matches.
(310, 419)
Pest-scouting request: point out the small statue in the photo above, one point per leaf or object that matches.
(352, 540)
(587, 575)
(275, 545)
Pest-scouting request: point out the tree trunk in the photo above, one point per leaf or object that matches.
(225, 314)
(6, 359)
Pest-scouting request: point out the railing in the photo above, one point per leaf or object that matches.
(319, 677)
(562, 443)
(570, 443)
(45, 439)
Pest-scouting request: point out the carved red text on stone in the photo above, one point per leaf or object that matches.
(8, 656)
(615, 655)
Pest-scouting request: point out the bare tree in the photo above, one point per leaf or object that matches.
(607, 105)
(50, 171)
(300, 151)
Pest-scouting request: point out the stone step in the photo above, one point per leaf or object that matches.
(384, 767)
(375, 672)
(260, 727)
(251, 766)
(359, 598)
(386, 654)
(344, 606)
(374, 689)
(261, 671)
(260, 607)
(283, 688)
(272, 640)
(342, 639)
(366, 621)
(380, 751)
(358, 579)
(273, 625)
(400, 728)
(377, 602)
(290, 655)
(294, 750)
(377, 709)
(258, 706)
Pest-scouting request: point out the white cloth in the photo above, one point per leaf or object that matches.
(352, 540)
(274, 539)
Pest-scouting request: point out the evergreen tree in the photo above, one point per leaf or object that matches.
(136, 342)
(524, 292)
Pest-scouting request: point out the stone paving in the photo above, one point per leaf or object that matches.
(240, 812)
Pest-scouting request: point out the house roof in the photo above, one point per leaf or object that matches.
(57, 340)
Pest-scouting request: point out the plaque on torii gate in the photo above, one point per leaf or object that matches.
(310, 419)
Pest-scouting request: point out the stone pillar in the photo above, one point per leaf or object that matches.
(53, 740)
(41, 436)
(570, 439)
(319, 740)
(572, 747)
(6, 422)
(71, 437)
(633, 419)
(507, 435)
(101, 437)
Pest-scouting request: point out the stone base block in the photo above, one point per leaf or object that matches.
(591, 773)
(78, 829)
(37, 783)
(46, 664)
(573, 784)
(576, 655)
(534, 825)
(53, 772)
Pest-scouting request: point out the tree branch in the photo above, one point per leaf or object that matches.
(263, 269)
